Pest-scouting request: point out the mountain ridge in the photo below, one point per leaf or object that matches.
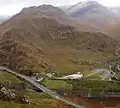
(93, 13)
(29, 41)
(60, 16)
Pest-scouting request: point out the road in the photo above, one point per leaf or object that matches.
(95, 72)
(108, 76)
(41, 87)
(104, 74)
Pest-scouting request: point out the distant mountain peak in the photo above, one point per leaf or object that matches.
(46, 6)
(93, 13)
(43, 9)
(90, 2)
(84, 4)
(40, 8)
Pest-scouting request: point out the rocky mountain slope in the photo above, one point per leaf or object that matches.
(3, 18)
(59, 15)
(114, 31)
(7, 95)
(115, 10)
(93, 13)
(35, 42)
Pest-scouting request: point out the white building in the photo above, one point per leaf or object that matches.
(74, 76)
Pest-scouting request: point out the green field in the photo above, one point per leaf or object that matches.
(82, 84)
(87, 72)
(86, 84)
(6, 78)
(57, 84)
(34, 94)
(117, 75)
(95, 76)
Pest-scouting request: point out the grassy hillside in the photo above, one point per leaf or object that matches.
(7, 78)
(33, 43)
(57, 84)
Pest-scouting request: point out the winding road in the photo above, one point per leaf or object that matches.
(104, 73)
(41, 87)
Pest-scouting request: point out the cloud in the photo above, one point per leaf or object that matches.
(110, 2)
(9, 2)
(10, 7)
(54, 2)
(36, 2)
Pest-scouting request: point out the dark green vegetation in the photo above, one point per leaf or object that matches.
(85, 84)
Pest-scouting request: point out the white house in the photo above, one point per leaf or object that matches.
(74, 76)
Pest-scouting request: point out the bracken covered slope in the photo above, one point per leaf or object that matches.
(59, 15)
(114, 31)
(32, 42)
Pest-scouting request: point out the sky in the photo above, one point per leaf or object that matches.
(10, 7)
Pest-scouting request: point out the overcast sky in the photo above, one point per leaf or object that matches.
(9, 7)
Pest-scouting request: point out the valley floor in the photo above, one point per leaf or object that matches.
(42, 100)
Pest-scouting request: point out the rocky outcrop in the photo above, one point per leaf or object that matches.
(7, 95)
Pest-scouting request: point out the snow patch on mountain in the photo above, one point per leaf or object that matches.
(81, 5)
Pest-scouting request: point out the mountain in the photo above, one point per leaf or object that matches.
(116, 10)
(3, 18)
(49, 11)
(65, 7)
(93, 13)
(59, 15)
(31, 41)
(114, 31)
(88, 7)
